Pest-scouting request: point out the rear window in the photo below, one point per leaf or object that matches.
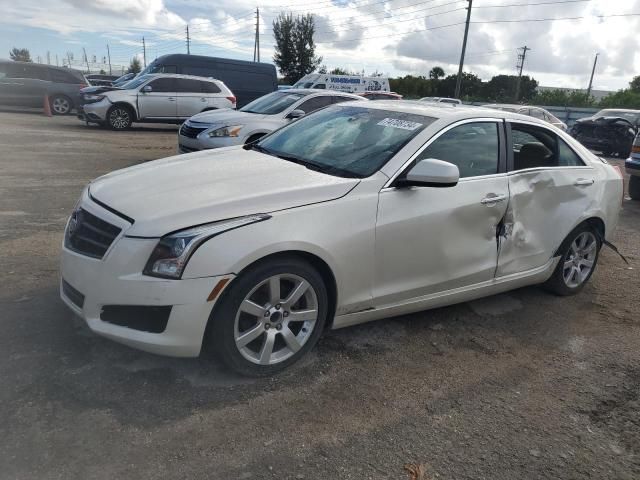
(60, 76)
(209, 87)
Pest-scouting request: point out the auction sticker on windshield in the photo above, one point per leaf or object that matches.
(397, 123)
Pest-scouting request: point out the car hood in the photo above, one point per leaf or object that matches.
(98, 89)
(227, 116)
(186, 190)
(603, 120)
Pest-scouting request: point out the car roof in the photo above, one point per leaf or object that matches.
(445, 111)
(620, 110)
(178, 75)
(323, 91)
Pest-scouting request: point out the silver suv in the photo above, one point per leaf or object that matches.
(264, 115)
(165, 98)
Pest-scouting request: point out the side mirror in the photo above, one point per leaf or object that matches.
(293, 114)
(147, 89)
(430, 173)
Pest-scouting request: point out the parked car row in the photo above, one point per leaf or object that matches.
(535, 112)
(353, 212)
(610, 131)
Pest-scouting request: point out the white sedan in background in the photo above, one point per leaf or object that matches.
(357, 212)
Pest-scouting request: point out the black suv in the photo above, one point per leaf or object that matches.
(25, 84)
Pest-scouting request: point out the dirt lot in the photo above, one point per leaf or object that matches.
(521, 385)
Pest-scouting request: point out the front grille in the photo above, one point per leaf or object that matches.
(72, 294)
(191, 132)
(89, 235)
(151, 319)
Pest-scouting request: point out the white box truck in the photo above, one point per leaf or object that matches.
(344, 83)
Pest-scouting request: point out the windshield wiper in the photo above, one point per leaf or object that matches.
(257, 148)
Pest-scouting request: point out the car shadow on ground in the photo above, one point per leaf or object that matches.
(62, 360)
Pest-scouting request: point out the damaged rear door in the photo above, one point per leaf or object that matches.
(549, 186)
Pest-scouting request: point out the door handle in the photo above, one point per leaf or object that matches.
(491, 199)
(171, 99)
(203, 99)
(583, 182)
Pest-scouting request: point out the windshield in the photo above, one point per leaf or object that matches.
(272, 103)
(345, 141)
(633, 117)
(135, 82)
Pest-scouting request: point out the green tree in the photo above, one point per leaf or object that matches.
(634, 84)
(341, 71)
(502, 88)
(135, 66)
(563, 98)
(295, 49)
(20, 55)
(471, 86)
(436, 73)
(622, 99)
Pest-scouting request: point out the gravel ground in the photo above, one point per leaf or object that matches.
(522, 385)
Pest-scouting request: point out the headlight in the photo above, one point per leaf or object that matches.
(231, 131)
(93, 98)
(173, 251)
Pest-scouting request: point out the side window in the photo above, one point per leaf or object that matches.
(340, 99)
(320, 86)
(185, 85)
(35, 72)
(567, 157)
(473, 147)
(209, 87)
(536, 147)
(314, 104)
(163, 85)
(536, 113)
(59, 76)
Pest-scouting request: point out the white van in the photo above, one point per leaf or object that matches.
(344, 83)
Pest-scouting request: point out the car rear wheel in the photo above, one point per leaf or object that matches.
(579, 255)
(270, 316)
(60, 105)
(634, 187)
(119, 117)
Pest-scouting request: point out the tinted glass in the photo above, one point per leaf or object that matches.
(163, 85)
(473, 147)
(321, 86)
(136, 82)
(633, 117)
(60, 76)
(185, 85)
(314, 104)
(345, 140)
(535, 147)
(272, 103)
(28, 71)
(209, 87)
(340, 99)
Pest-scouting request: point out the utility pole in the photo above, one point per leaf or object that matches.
(188, 41)
(256, 44)
(595, 62)
(520, 66)
(57, 64)
(144, 52)
(48, 58)
(464, 49)
(86, 59)
(109, 58)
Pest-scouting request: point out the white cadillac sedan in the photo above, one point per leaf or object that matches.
(351, 214)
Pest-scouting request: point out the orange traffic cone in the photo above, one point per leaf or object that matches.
(47, 106)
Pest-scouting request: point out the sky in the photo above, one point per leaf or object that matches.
(394, 37)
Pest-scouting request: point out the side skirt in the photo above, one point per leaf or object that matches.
(450, 297)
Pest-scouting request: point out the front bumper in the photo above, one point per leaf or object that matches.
(94, 112)
(632, 166)
(204, 142)
(116, 280)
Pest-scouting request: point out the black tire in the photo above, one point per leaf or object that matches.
(557, 283)
(221, 335)
(253, 138)
(60, 105)
(634, 187)
(120, 117)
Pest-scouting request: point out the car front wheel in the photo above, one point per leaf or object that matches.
(269, 317)
(119, 117)
(61, 105)
(579, 252)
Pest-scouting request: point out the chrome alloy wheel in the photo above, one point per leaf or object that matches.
(580, 259)
(61, 106)
(119, 118)
(276, 319)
